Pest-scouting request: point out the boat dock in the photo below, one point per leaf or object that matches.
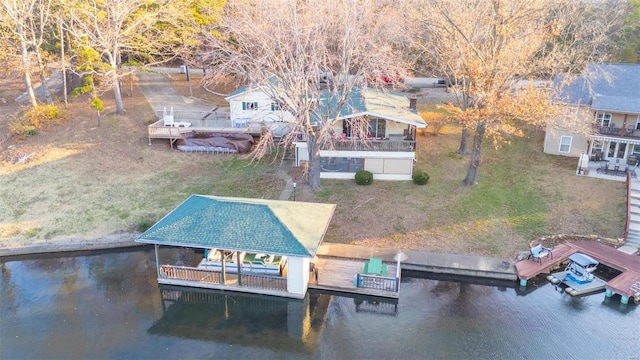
(337, 265)
(627, 284)
(338, 275)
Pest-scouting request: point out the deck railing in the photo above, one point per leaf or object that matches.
(186, 273)
(264, 281)
(190, 274)
(372, 145)
(377, 282)
(190, 115)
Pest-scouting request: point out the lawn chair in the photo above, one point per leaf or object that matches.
(167, 119)
(538, 252)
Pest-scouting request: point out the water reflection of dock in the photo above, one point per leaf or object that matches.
(283, 324)
(626, 284)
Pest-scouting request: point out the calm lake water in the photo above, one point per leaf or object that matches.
(109, 305)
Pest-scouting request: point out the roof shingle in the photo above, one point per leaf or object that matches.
(254, 225)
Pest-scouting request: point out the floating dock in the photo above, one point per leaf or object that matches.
(627, 284)
(575, 288)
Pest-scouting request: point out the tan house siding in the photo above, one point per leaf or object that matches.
(554, 136)
(375, 166)
(398, 166)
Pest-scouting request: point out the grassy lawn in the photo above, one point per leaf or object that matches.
(84, 182)
(522, 194)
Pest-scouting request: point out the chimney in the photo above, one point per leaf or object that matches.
(413, 102)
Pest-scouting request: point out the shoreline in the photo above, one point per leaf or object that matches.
(416, 260)
(124, 240)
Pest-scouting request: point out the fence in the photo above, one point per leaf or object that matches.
(186, 273)
(377, 282)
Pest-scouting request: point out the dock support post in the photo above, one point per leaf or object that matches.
(523, 282)
(155, 247)
(624, 300)
(608, 293)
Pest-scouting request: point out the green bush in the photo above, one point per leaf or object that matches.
(144, 225)
(37, 117)
(364, 177)
(420, 178)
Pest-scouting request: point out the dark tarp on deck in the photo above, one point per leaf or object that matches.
(198, 141)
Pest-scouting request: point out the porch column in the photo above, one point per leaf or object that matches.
(155, 247)
(224, 267)
(239, 261)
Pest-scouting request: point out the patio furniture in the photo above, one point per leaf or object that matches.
(167, 119)
(630, 130)
(375, 267)
(538, 252)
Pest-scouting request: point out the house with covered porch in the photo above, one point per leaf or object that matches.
(252, 232)
(606, 103)
(382, 141)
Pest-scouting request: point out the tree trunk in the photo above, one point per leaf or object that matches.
(464, 139)
(25, 63)
(117, 94)
(44, 87)
(314, 162)
(64, 67)
(474, 164)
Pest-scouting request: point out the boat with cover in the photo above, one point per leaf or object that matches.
(578, 277)
(581, 267)
(259, 263)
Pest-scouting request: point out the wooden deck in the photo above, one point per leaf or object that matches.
(158, 130)
(622, 284)
(338, 274)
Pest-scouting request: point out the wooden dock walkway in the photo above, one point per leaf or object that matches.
(337, 275)
(623, 284)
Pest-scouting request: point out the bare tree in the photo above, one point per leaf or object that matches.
(111, 27)
(27, 21)
(488, 48)
(283, 46)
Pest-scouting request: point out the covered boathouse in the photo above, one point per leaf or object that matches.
(239, 226)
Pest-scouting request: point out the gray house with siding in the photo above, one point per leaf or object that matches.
(603, 115)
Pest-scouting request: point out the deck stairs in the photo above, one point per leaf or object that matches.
(633, 238)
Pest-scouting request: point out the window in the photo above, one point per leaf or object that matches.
(604, 119)
(565, 144)
(638, 123)
(275, 106)
(377, 128)
(636, 149)
(249, 105)
(338, 164)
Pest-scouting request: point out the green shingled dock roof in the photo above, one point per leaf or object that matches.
(255, 225)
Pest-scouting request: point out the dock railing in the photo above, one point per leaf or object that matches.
(187, 273)
(377, 282)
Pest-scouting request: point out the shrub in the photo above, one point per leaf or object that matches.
(420, 178)
(35, 118)
(144, 225)
(364, 177)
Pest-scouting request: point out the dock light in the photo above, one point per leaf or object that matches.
(399, 257)
(294, 191)
(580, 164)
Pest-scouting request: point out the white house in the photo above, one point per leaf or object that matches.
(251, 107)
